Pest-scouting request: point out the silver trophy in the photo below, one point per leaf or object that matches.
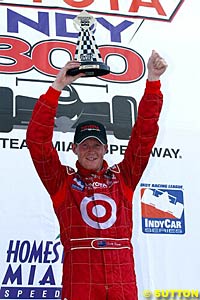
(87, 52)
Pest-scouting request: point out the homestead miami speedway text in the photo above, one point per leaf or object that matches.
(30, 271)
(64, 146)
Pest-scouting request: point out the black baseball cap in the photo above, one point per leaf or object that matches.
(90, 129)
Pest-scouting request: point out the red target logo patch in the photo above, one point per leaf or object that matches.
(98, 211)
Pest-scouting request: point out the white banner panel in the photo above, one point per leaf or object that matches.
(37, 37)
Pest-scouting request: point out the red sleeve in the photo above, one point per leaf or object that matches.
(39, 142)
(143, 136)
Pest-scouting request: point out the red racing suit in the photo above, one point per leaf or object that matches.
(94, 209)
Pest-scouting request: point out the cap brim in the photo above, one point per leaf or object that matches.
(92, 136)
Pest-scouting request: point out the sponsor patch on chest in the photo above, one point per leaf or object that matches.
(78, 184)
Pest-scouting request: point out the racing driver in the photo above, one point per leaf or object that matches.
(93, 203)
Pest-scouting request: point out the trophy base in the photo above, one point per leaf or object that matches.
(91, 69)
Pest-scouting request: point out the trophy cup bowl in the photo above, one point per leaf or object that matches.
(87, 52)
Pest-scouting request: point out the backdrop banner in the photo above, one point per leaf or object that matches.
(37, 37)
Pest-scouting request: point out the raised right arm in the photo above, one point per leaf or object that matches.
(40, 133)
(39, 141)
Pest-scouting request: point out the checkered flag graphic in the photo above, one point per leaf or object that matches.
(87, 49)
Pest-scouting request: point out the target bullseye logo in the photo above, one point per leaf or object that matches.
(98, 211)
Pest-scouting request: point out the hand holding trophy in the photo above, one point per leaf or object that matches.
(87, 52)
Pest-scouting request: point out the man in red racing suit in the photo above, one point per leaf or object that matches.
(94, 203)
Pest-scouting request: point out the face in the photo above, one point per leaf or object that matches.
(90, 153)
